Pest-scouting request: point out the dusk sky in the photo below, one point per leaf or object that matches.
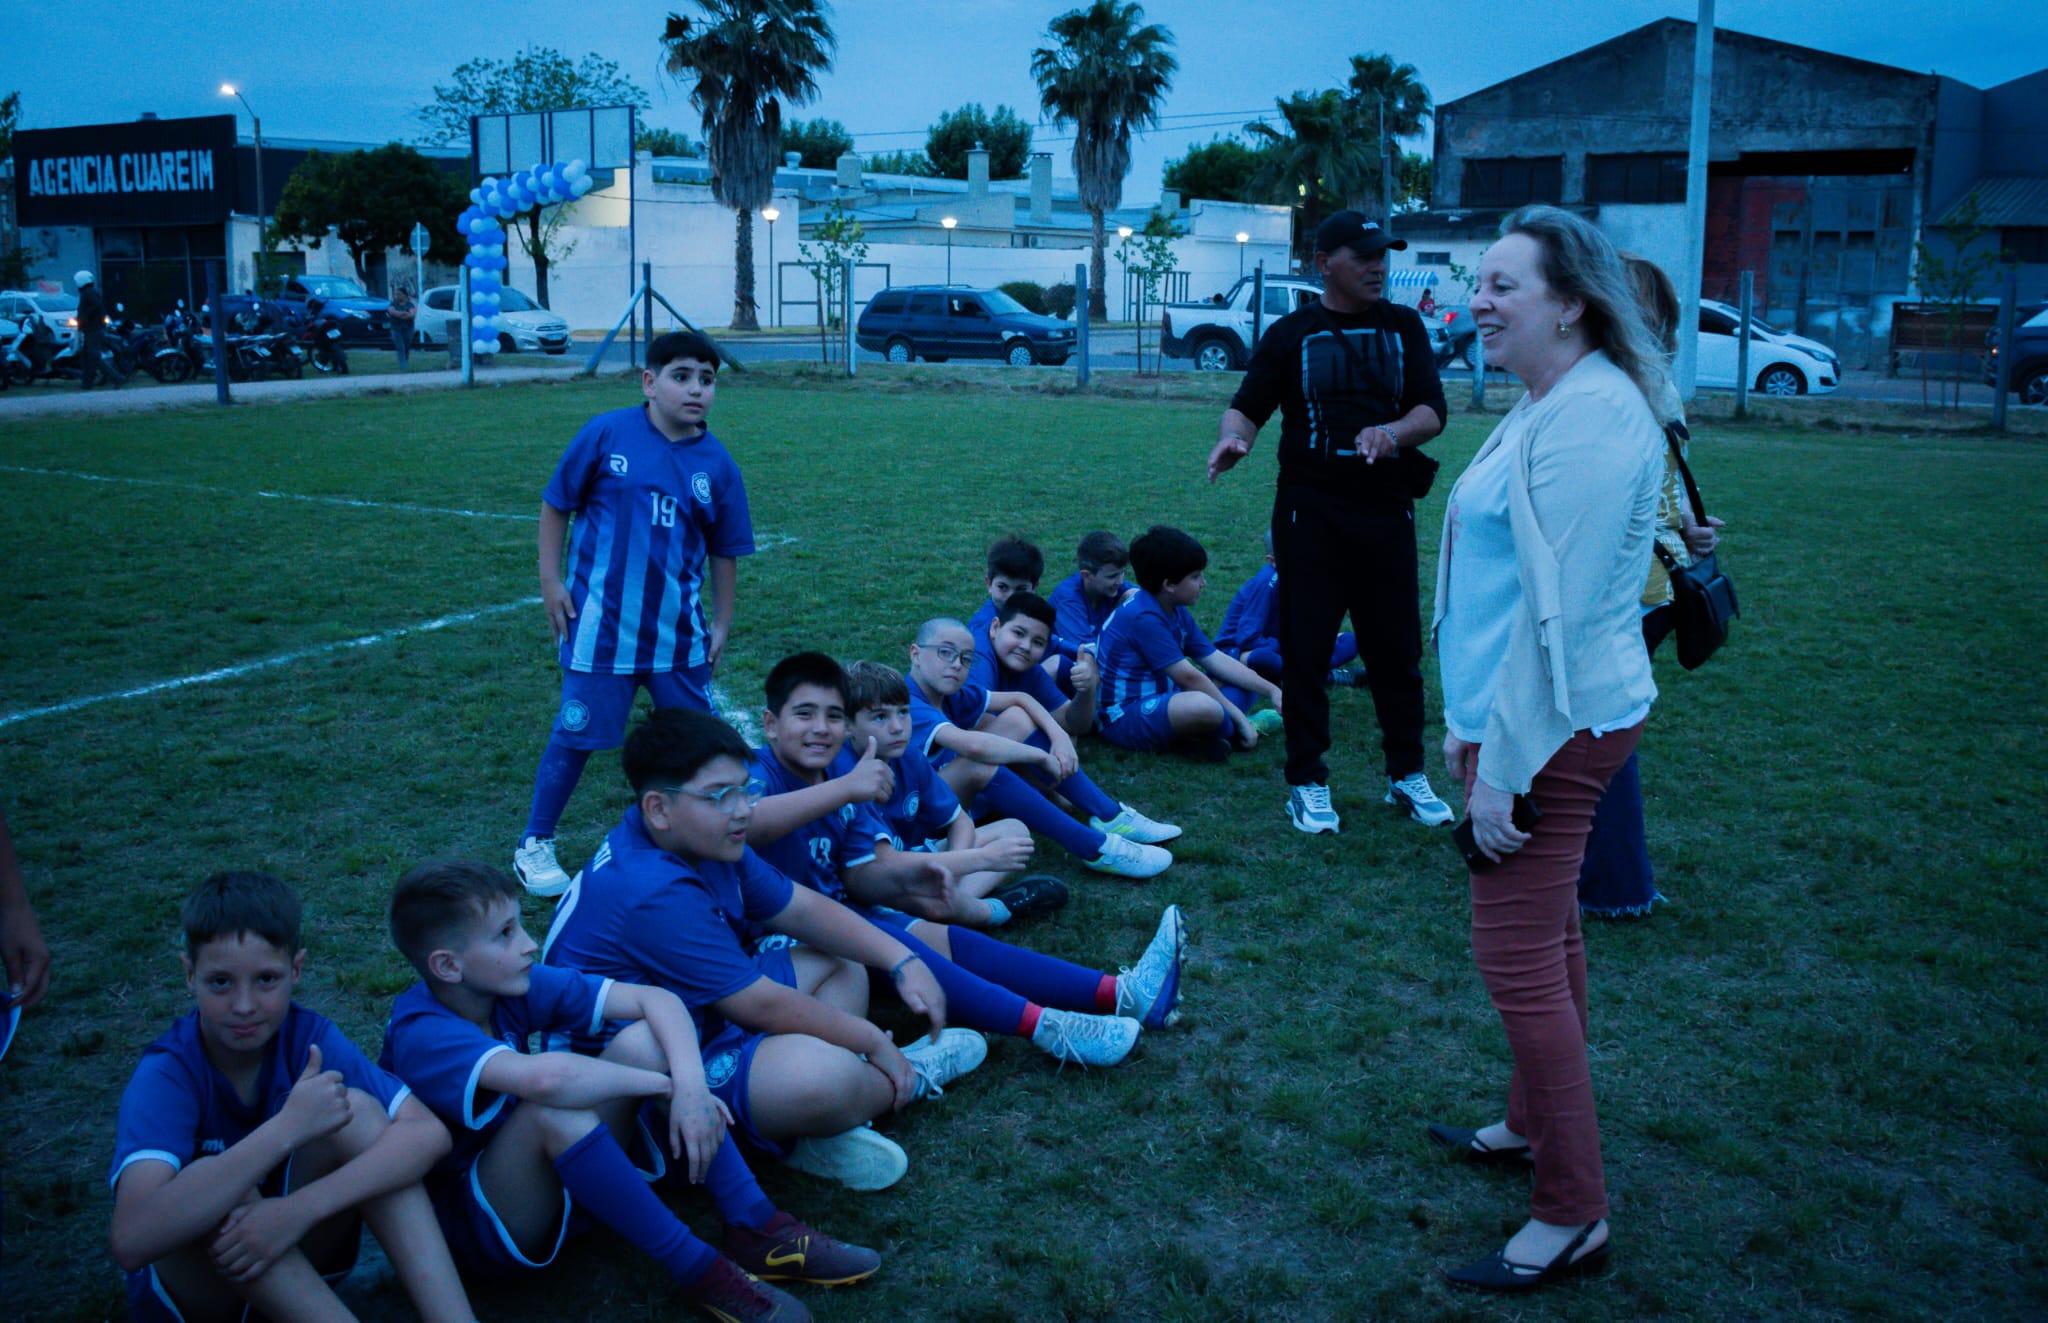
(356, 71)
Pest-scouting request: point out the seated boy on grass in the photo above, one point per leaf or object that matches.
(674, 898)
(1251, 631)
(980, 741)
(923, 813)
(1161, 676)
(254, 1139)
(1082, 602)
(1015, 565)
(538, 1133)
(816, 821)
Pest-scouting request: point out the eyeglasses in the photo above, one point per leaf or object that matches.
(949, 655)
(729, 800)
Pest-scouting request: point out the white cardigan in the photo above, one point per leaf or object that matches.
(1582, 494)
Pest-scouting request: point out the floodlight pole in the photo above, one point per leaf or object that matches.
(1690, 276)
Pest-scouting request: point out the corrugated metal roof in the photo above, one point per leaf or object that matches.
(2008, 201)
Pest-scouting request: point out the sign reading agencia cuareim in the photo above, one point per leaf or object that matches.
(146, 172)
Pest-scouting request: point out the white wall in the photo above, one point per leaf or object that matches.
(1655, 231)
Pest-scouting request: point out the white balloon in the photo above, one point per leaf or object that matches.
(583, 184)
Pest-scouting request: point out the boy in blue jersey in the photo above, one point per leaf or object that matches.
(1251, 631)
(254, 1139)
(817, 822)
(923, 813)
(537, 1132)
(675, 899)
(1160, 673)
(981, 741)
(1082, 602)
(659, 507)
(1015, 566)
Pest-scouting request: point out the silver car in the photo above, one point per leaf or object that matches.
(524, 327)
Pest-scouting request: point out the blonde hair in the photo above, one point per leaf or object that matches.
(1579, 262)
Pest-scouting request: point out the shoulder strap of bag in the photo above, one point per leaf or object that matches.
(1675, 435)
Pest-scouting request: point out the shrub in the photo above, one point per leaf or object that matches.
(1059, 299)
(1027, 292)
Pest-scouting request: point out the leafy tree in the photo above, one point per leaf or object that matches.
(820, 142)
(1106, 74)
(1315, 159)
(10, 119)
(1029, 293)
(900, 163)
(1414, 180)
(1389, 103)
(835, 241)
(14, 259)
(666, 142)
(1223, 169)
(370, 200)
(536, 79)
(1148, 255)
(746, 57)
(1951, 282)
(1007, 138)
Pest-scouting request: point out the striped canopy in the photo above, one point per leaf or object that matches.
(1413, 277)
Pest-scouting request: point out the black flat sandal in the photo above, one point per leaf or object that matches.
(1495, 1273)
(1468, 1147)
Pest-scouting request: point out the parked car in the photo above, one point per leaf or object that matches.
(524, 327)
(1780, 363)
(1217, 332)
(938, 322)
(2029, 359)
(1451, 333)
(365, 319)
(59, 312)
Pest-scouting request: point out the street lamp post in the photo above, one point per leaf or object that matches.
(262, 227)
(771, 215)
(1123, 267)
(949, 222)
(1242, 240)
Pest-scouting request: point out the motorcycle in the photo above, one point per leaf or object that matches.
(29, 351)
(320, 334)
(133, 346)
(174, 358)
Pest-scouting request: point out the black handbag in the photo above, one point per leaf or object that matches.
(1702, 594)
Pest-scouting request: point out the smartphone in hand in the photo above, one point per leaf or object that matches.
(1525, 815)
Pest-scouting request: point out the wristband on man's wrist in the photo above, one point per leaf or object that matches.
(896, 970)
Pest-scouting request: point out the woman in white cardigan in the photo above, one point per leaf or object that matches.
(1546, 686)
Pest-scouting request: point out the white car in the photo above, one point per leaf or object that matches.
(57, 311)
(524, 327)
(1779, 363)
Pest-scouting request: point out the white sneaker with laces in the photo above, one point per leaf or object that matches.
(1151, 990)
(1123, 857)
(1412, 793)
(939, 1062)
(1308, 808)
(1135, 826)
(858, 1158)
(537, 869)
(1086, 1040)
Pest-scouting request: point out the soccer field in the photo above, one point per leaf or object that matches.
(304, 638)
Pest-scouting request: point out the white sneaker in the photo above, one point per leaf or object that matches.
(858, 1158)
(1412, 793)
(1308, 808)
(535, 865)
(938, 1063)
(1152, 989)
(1087, 1040)
(1135, 826)
(1122, 857)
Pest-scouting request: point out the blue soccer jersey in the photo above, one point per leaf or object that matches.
(984, 618)
(178, 1107)
(923, 806)
(1137, 646)
(991, 675)
(440, 1055)
(1076, 618)
(818, 853)
(640, 914)
(964, 710)
(648, 512)
(1254, 616)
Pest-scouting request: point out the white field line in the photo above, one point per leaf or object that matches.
(347, 502)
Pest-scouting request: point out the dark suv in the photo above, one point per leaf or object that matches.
(364, 318)
(2029, 358)
(938, 322)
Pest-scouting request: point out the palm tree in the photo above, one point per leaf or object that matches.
(747, 57)
(1379, 85)
(1317, 163)
(1106, 76)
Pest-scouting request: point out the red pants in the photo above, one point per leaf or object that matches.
(1525, 937)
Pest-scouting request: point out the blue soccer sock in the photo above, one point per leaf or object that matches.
(1042, 978)
(1265, 662)
(971, 1001)
(560, 768)
(599, 1176)
(1009, 795)
(1082, 793)
(735, 1191)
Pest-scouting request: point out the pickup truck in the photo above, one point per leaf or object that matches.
(1217, 333)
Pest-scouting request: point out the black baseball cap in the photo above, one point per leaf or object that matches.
(1348, 229)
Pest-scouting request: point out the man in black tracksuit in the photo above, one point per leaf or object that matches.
(1355, 382)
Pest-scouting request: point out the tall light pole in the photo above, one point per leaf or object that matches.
(949, 222)
(1242, 240)
(1123, 266)
(772, 215)
(262, 225)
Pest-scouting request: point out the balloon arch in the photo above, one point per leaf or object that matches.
(493, 202)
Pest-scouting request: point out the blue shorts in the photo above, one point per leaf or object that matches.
(595, 707)
(729, 1055)
(1142, 728)
(476, 1235)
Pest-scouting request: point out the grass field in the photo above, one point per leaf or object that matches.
(1820, 1069)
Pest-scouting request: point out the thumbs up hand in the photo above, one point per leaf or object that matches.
(871, 781)
(318, 1105)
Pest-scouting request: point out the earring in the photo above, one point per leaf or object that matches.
(1564, 330)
